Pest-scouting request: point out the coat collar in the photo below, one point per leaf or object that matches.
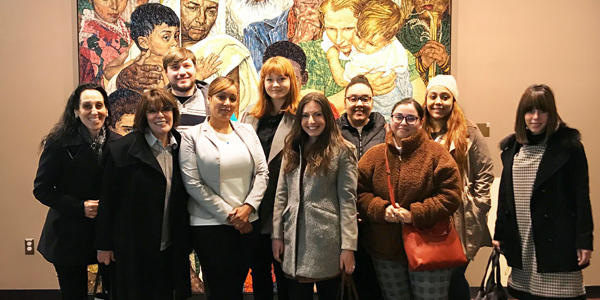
(141, 150)
(408, 144)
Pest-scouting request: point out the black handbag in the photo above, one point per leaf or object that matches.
(491, 289)
(347, 289)
(100, 292)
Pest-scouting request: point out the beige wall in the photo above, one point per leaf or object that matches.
(499, 48)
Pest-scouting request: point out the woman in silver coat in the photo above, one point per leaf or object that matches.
(314, 219)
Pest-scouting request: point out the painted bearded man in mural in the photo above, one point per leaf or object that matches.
(203, 32)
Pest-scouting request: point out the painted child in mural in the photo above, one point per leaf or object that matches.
(375, 48)
(432, 53)
(339, 19)
(155, 29)
(103, 36)
(122, 105)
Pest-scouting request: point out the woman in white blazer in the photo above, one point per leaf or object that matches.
(225, 172)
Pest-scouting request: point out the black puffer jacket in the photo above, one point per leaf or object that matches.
(372, 134)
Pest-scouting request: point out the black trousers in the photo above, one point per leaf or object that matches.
(364, 275)
(262, 282)
(73, 281)
(326, 289)
(224, 256)
(459, 286)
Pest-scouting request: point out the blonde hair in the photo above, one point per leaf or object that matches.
(281, 66)
(382, 17)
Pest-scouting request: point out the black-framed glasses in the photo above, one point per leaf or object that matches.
(363, 99)
(410, 119)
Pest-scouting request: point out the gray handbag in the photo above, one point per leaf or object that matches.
(491, 289)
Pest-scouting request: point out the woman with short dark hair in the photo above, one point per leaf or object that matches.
(68, 181)
(544, 224)
(142, 218)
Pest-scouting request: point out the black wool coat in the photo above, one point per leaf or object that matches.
(68, 174)
(561, 215)
(130, 217)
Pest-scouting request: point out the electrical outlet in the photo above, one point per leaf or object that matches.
(29, 247)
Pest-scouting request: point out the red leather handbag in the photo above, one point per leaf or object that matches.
(432, 249)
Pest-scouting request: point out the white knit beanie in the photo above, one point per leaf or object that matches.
(446, 81)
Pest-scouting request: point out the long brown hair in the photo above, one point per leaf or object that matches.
(456, 133)
(318, 155)
(281, 66)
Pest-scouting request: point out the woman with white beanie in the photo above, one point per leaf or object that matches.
(446, 124)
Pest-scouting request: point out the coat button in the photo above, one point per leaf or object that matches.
(550, 240)
(546, 216)
(543, 190)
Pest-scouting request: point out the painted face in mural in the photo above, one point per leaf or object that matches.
(438, 6)
(92, 112)
(125, 124)
(197, 18)
(109, 10)
(162, 38)
(302, 5)
(370, 44)
(340, 27)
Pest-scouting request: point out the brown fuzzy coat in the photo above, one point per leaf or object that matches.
(425, 180)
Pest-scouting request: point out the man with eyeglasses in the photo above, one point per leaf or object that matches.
(359, 124)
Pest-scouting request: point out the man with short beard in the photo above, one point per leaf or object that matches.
(192, 94)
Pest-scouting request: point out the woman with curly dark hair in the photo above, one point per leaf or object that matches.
(68, 181)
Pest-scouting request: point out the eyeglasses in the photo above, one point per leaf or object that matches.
(363, 99)
(410, 119)
(164, 110)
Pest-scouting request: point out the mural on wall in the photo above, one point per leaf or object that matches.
(397, 44)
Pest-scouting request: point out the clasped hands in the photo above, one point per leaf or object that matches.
(397, 214)
(238, 217)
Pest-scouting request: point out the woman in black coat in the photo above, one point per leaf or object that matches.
(142, 218)
(544, 224)
(68, 181)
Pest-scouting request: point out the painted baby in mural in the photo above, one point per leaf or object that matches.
(103, 36)
(376, 49)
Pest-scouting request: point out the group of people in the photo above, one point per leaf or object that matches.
(291, 187)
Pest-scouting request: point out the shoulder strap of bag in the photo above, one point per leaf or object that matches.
(389, 178)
